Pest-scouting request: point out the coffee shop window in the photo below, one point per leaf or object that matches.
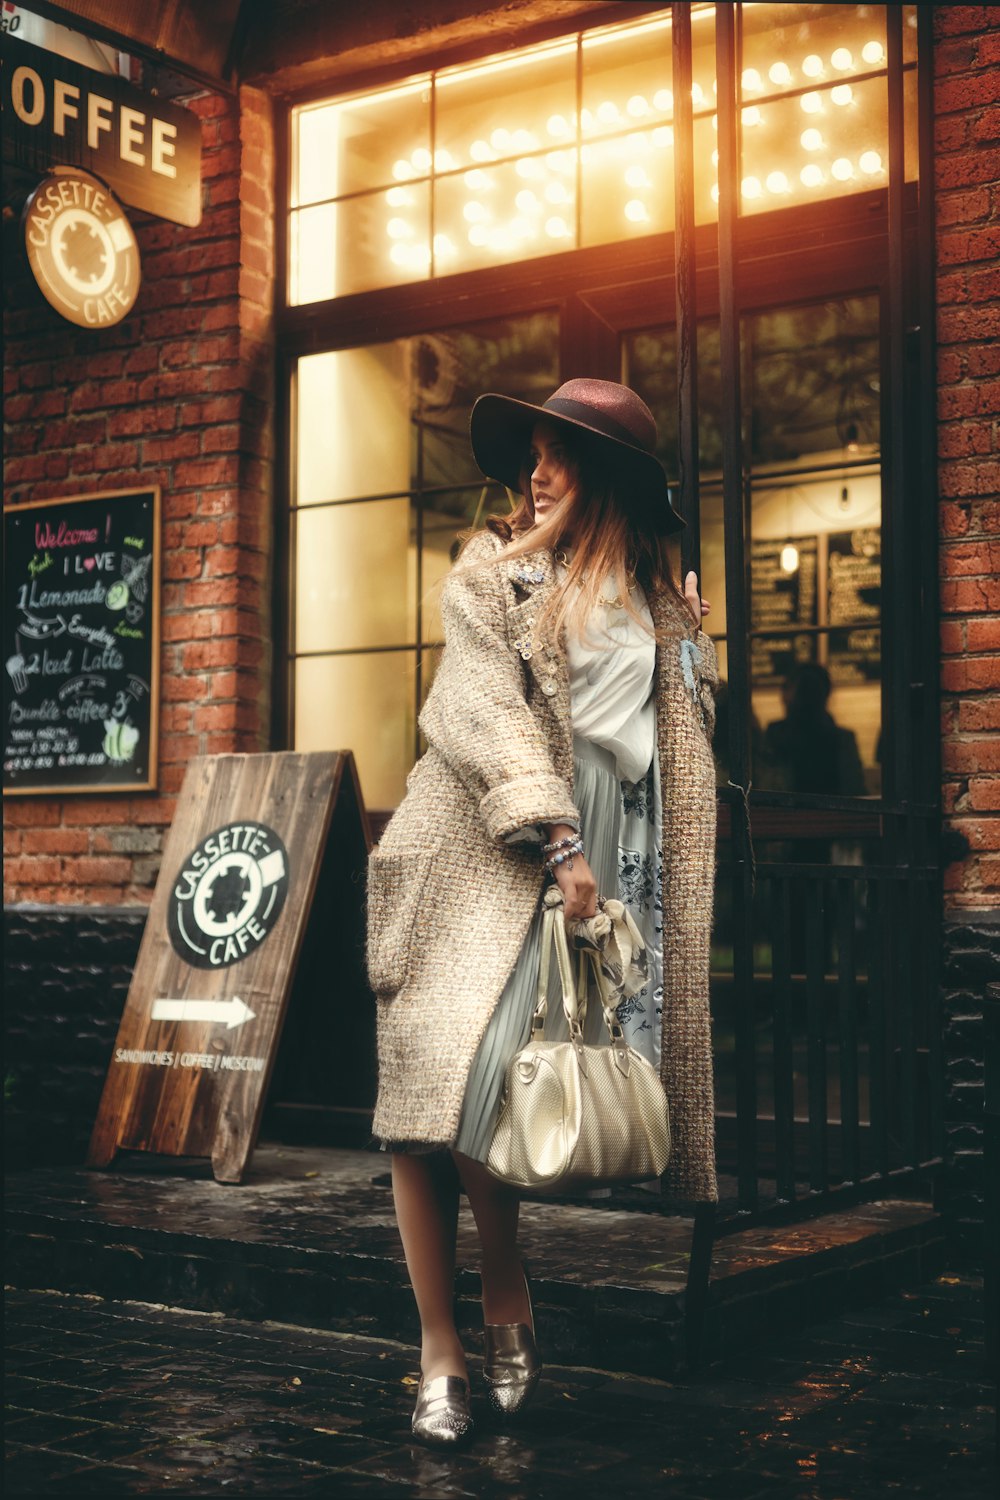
(812, 393)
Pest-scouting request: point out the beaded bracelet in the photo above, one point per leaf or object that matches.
(560, 844)
(575, 848)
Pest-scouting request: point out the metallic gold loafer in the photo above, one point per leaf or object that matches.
(511, 1364)
(442, 1415)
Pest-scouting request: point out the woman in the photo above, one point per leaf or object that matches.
(573, 708)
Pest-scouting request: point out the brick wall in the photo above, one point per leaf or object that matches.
(179, 394)
(967, 181)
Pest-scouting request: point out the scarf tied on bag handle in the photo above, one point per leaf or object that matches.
(614, 936)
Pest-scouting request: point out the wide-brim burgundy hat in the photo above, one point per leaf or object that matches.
(501, 427)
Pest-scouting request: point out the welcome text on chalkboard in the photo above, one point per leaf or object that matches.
(81, 623)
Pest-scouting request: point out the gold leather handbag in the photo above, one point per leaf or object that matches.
(573, 1115)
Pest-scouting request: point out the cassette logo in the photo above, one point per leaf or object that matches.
(81, 249)
(228, 895)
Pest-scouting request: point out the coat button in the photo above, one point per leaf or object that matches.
(549, 688)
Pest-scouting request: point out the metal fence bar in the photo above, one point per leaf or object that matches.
(737, 591)
(783, 1043)
(816, 1036)
(847, 1002)
(895, 549)
(685, 281)
(877, 1071)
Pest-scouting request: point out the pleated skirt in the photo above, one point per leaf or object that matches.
(620, 825)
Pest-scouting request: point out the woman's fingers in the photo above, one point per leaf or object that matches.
(692, 595)
(579, 888)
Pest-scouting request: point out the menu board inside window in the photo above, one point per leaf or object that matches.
(781, 599)
(81, 623)
(854, 605)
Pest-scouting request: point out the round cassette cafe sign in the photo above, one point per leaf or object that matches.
(81, 248)
(228, 895)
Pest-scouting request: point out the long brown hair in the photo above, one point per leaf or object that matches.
(615, 540)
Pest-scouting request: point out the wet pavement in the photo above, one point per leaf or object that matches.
(130, 1398)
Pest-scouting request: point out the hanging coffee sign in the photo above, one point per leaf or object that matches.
(81, 249)
(59, 113)
(81, 628)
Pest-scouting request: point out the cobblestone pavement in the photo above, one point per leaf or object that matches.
(127, 1398)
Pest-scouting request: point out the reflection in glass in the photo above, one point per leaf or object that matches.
(509, 211)
(505, 106)
(365, 703)
(377, 239)
(336, 546)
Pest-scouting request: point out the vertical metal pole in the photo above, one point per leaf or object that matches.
(896, 547)
(737, 595)
(685, 280)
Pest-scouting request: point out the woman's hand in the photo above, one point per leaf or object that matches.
(696, 604)
(579, 888)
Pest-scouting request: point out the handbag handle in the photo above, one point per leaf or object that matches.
(554, 932)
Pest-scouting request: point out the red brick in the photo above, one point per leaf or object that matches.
(183, 689)
(29, 870)
(216, 591)
(964, 93)
(165, 450)
(56, 840)
(984, 793)
(205, 472)
(970, 477)
(201, 656)
(94, 870)
(982, 833)
(973, 674)
(963, 245)
(984, 635)
(952, 637)
(222, 561)
(982, 754)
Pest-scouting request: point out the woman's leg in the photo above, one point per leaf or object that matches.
(495, 1207)
(425, 1190)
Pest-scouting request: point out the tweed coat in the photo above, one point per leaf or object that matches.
(450, 901)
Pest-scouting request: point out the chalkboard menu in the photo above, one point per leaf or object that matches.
(780, 601)
(854, 600)
(81, 622)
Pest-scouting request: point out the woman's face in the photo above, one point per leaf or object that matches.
(553, 472)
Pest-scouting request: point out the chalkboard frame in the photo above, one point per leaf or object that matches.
(100, 788)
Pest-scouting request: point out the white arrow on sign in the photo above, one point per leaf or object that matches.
(234, 1012)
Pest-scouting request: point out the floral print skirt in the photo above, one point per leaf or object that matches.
(620, 824)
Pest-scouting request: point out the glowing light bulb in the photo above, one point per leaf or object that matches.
(402, 171)
(714, 190)
(637, 177)
(777, 182)
(398, 229)
(697, 93)
(421, 159)
(399, 254)
(751, 187)
(480, 151)
(752, 81)
(873, 53)
(789, 558)
(715, 158)
(751, 115)
(842, 169)
(443, 161)
(556, 227)
(812, 140)
(529, 167)
(477, 180)
(558, 126)
(527, 202)
(556, 193)
(521, 229)
(500, 138)
(443, 247)
(715, 122)
(561, 161)
(474, 213)
(586, 119)
(637, 106)
(842, 58)
(663, 135)
(811, 104)
(780, 73)
(398, 198)
(664, 99)
(870, 162)
(812, 66)
(478, 235)
(636, 211)
(812, 175)
(608, 112)
(523, 140)
(842, 94)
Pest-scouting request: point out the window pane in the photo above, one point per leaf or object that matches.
(626, 77)
(337, 545)
(365, 703)
(822, 145)
(796, 46)
(505, 106)
(509, 212)
(353, 423)
(376, 240)
(369, 141)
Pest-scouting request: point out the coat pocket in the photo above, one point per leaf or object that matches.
(395, 890)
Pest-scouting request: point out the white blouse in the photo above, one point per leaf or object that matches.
(611, 671)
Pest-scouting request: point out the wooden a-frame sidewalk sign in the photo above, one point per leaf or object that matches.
(265, 858)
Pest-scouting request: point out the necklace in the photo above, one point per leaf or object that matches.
(562, 558)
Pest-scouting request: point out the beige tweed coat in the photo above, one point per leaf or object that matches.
(450, 902)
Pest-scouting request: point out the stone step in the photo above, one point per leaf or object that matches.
(309, 1239)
